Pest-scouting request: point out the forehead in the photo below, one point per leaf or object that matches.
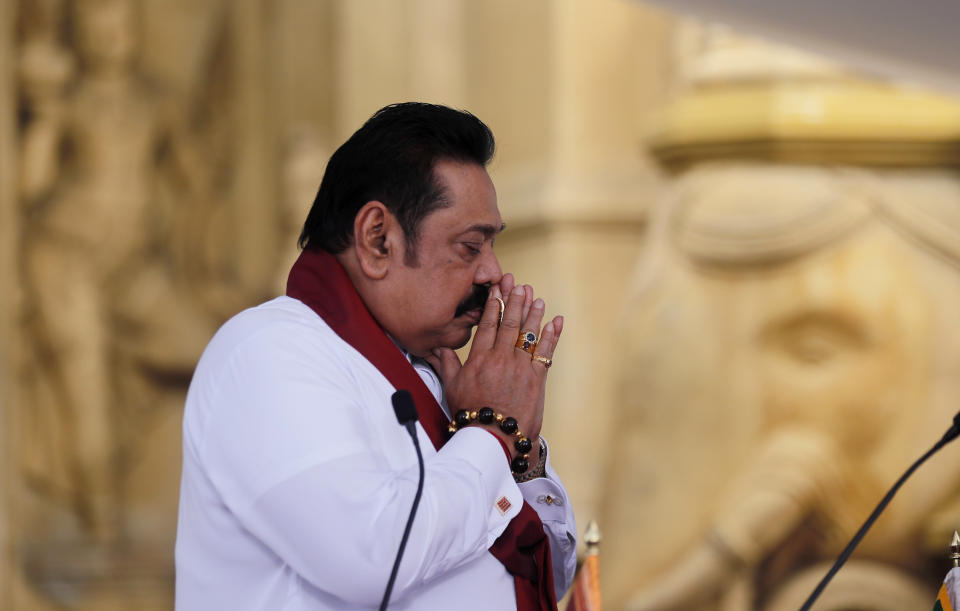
(471, 196)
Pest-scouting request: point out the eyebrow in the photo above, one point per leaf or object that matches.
(487, 230)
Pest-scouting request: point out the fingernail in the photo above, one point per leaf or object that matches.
(495, 293)
(559, 324)
(518, 290)
(538, 303)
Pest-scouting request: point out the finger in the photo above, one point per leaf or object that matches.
(549, 338)
(527, 302)
(486, 333)
(532, 323)
(445, 362)
(507, 282)
(510, 326)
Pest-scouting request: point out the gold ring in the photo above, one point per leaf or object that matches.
(500, 319)
(542, 359)
(527, 341)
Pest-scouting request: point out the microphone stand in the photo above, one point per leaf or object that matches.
(407, 416)
(949, 436)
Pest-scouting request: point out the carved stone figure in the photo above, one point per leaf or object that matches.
(108, 179)
(789, 353)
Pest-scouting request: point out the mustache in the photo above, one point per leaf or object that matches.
(475, 300)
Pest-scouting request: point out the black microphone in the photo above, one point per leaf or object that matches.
(952, 433)
(406, 413)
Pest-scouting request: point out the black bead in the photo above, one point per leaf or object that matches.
(523, 445)
(519, 464)
(485, 415)
(509, 425)
(461, 418)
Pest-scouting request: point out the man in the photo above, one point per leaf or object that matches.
(298, 481)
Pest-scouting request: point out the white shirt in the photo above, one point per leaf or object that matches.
(297, 483)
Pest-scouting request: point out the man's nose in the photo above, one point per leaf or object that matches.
(489, 271)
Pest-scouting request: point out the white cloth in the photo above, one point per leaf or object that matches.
(297, 483)
(951, 583)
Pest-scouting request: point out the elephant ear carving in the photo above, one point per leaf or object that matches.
(756, 216)
(923, 205)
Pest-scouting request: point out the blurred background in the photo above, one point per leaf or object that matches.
(750, 219)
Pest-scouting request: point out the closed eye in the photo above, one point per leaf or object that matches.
(816, 337)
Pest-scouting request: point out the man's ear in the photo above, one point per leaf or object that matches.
(374, 230)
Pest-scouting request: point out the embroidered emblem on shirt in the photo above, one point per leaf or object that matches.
(503, 505)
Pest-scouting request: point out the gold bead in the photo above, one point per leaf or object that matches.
(499, 417)
(473, 415)
(452, 429)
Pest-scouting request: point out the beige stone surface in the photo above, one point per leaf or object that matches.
(110, 190)
(788, 349)
(10, 296)
(758, 333)
(164, 170)
(577, 213)
(777, 390)
(97, 144)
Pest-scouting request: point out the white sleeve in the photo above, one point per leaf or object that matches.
(549, 498)
(302, 464)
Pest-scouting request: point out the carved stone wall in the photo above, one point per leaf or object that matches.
(116, 193)
(161, 157)
(735, 404)
(9, 300)
(788, 349)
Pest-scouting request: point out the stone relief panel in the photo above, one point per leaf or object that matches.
(125, 276)
(788, 353)
(788, 348)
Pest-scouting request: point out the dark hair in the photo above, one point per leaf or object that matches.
(391, 159)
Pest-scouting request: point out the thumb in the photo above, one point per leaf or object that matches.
(446, 362)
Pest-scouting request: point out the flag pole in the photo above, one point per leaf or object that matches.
(592, 538)
(955, 549)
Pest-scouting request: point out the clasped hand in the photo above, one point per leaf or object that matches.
(496, 373)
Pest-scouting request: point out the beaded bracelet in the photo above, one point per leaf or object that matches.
(538, 471)
(509, 425)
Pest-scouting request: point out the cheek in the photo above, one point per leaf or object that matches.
(439, 299)
(453, 285)
(444, 288)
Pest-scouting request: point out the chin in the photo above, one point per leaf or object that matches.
(459, 341)
(462, 343)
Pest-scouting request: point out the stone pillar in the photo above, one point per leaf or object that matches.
(254, 189)
(566, 86)
(390, 51)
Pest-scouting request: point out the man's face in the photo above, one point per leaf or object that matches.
(438, 299)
